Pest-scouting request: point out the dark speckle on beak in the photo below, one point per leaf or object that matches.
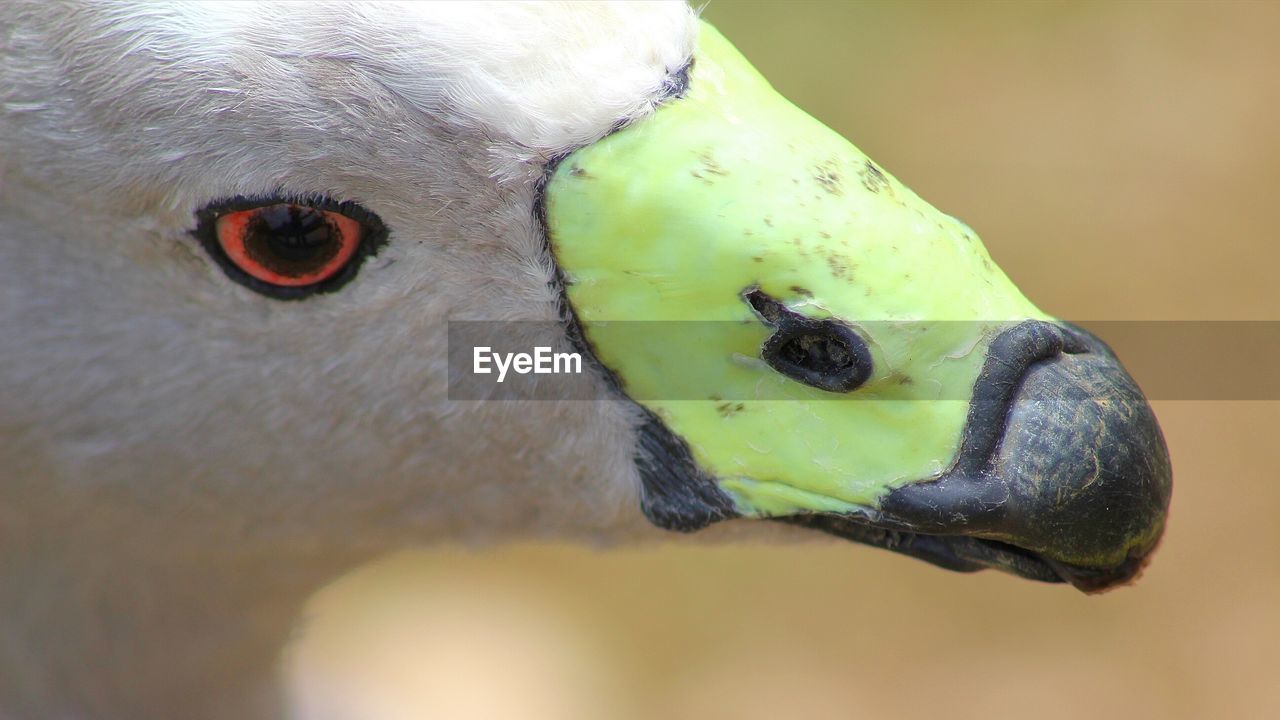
(709, 168)
(828, 178)
(839, 268)
(872, 178)
(728, 409)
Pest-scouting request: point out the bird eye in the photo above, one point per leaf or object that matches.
(825, 354)
(289, 249)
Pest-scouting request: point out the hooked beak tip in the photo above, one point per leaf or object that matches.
(1076, 476)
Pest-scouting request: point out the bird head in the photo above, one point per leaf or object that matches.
(233, 247)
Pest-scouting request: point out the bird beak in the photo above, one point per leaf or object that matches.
(1063, 474)
(954, 421)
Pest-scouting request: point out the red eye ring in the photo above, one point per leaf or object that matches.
(289, 245)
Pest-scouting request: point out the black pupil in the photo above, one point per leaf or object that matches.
(292, 240)
(818, 353)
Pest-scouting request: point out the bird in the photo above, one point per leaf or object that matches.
(262, 265)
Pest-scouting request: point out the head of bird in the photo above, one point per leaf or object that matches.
(229, 273)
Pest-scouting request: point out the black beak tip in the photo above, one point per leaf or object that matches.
(1087, 469)
(1077, 486)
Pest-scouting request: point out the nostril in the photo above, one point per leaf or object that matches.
(824, 354)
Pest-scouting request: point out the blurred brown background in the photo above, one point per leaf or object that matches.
(1121, 161)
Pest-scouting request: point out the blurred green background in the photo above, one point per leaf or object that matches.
(1121, 161)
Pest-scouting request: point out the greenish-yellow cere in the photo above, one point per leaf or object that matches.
(731, 187)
